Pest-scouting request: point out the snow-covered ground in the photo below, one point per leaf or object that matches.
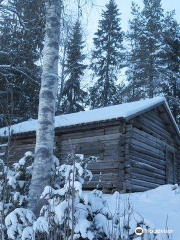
(159, 207)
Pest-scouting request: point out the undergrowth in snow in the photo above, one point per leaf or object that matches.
(71, 213)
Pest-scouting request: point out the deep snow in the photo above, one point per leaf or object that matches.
(156, 206)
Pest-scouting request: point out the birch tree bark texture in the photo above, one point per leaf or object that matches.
(47, 102)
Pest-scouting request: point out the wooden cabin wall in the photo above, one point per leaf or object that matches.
(103, 143)
(18, 147)
(178, 166)
(152, 153)
(135, 156)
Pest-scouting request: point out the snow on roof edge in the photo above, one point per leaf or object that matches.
(124, 110)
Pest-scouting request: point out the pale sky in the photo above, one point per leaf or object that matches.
(91, 15)
(94, 14)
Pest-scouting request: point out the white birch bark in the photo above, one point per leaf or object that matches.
(47, 102)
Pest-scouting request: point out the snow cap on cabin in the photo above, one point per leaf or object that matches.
(124, 110)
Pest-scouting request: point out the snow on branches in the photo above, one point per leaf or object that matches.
(69, 213)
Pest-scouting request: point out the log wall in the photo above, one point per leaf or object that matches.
(101, 140)
(103, 143)
(152, 153)
(136, 155)
(19, 146)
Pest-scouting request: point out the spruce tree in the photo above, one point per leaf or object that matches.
(171, 78)
(136, 87)
(146, 55)
(21, 43)
(73, 96)
(107, 57)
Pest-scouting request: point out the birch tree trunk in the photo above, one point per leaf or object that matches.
(47, 102)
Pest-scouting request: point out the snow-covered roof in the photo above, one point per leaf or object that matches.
(125, 110)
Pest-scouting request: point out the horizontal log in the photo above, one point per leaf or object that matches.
(160, 161)
(114, 129)
(155, 127)
(104, 165)
(101, 144)
(158, 123)
(90, 126)
(92, 139)
(105, 177)
(111, 144)
(137, 188)
(102, 184)
(147, 152)
(155, 139)
(156, 118)
(102, 157)
(147, 178)
(149, 141)
(155, 163)
(78, 149)
(144, 183)
(23, 150)
(148, 173)
(111, 152)
(27, 140)
(149, 130)
(91, 149)
(146, 167)
(148, 147)
(100, 165)
(93, 133)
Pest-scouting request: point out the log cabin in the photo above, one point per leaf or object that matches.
(136, 144)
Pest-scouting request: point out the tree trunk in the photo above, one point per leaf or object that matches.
(151, 72)
(151, 87)
(47, 102)
(175, 110)
(62, 79)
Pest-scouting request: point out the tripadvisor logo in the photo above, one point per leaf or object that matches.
(139, 231)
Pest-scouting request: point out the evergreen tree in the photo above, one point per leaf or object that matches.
(136, 87)
(73, 95)
(21, 42)
(154, 66)
(107, 57)
(145, 60)
(171, 79)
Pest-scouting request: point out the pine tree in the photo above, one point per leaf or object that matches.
(107, 57)
(73, 95)
(146, 57)
(21, 43)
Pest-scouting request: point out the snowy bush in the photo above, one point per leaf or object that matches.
(74, 214)
(14, 187)
(70, 213)
(14, 183)
(17, 222)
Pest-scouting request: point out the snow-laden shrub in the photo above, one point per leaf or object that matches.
(70, 213)
(14, 183)
(14, 187)
(18, 221)
(69, 210)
